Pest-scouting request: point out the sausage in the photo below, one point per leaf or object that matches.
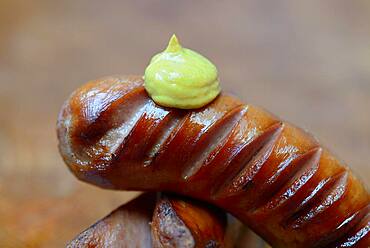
(181, 222)
(165, 221)
(273, 176)
(127, 226)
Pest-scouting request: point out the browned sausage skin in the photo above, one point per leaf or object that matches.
(160, 221)
(270, 174)
(127, 226)
(181, 222)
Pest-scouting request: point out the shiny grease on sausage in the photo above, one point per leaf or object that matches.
(270, 174)
(160, 221)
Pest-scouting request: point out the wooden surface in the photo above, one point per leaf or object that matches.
(306, 61)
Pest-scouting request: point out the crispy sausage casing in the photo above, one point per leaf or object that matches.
(166, 221)
(273, 176)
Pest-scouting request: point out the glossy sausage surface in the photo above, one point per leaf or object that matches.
(181, 222)
(127, 226)
(273, 176)
(160, 221)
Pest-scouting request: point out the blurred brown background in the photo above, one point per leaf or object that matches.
(306, 61)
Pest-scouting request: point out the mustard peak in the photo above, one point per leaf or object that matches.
(173, 45)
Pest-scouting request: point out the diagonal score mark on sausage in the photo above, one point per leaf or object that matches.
(216, 136)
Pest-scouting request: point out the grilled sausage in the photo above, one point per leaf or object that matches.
(181, 222)
(273, 176)
(127, 226)
(166, 221)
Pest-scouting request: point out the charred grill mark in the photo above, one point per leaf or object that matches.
(164, 140)
(292, 209)
(191, 136)
(141, 135)
(312, 195)
(344, 229)
(116, 137)
(291, 176)
(251, 168)
(258, 160)
(249, 160)
(97, 97)
(164, 132)
(93, 108)
(318, 206)
(99, 148)
(358, 236)
(216, 135)
(305, 166)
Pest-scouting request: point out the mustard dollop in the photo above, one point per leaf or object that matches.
(181, 78)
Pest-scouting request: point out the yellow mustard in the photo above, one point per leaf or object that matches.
(181, 78)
